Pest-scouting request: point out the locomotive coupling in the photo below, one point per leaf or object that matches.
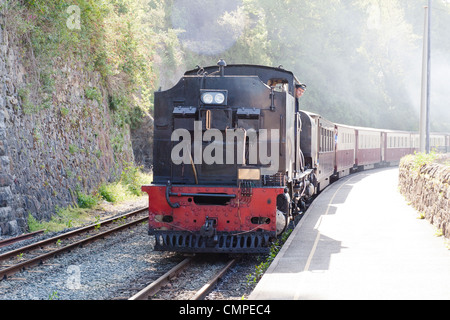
(208, 230)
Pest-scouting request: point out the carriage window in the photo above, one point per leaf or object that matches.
(328, 141)
(321, 140)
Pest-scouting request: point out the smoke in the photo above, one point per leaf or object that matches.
(208, 27)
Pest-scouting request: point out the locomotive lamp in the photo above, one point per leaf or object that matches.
(215, 97)
(207, 98)
(219, 98)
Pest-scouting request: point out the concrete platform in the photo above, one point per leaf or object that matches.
(360, 240)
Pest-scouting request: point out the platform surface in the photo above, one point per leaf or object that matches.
(360, 240)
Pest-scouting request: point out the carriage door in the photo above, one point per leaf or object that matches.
(383, 146)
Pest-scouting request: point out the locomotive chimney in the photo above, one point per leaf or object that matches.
(222, 64)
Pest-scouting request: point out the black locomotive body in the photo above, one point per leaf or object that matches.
(228, 168)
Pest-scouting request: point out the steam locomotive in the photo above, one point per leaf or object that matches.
(234, 162)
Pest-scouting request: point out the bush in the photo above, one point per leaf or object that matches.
(128, 187)
(86, 201)
(134, 178)
(111, 192)
(33, 224)
(419, 159)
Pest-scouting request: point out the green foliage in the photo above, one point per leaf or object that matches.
(124, 113)
(129, 186)
(93, 93)
(53, 295)
(264, 265)
(114, 192)
(86, 201)
(133, 177)
(110, 192)
(64, 111)
(33, 224)
(419, 159)
(116, 102)
(115, 38)
(73, 149)
(65, 218)
(27, 104)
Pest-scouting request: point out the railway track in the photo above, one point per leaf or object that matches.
(16, 260)
(177, 290)
(22, 237)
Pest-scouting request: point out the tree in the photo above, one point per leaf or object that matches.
(360, 59)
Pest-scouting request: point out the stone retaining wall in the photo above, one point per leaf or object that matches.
(50, 152)
(427, 188)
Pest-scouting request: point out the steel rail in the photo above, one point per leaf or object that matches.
(7, 242)
(4, 273)
(203, 292)
(155, 286)
(66, 235)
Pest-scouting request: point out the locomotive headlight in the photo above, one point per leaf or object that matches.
(219, 98)
(214, 97)
(207, 98)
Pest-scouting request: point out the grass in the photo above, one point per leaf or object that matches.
(260, 269)
(439, 233)
(127, 188)
(421, 216)
(64, 218)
